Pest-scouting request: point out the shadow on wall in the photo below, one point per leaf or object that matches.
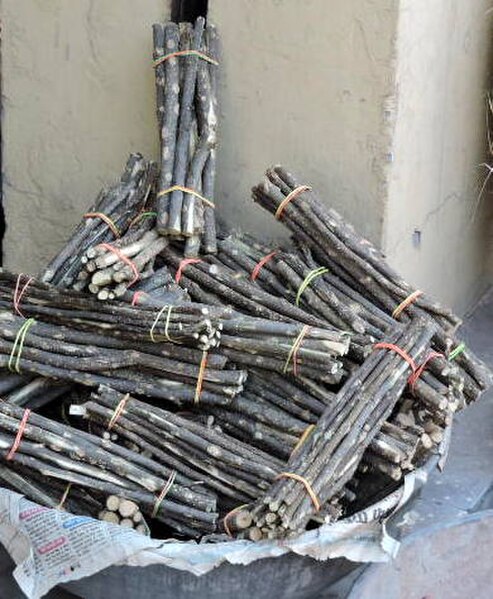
(188, 10)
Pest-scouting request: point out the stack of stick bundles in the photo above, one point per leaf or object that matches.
(252, 392)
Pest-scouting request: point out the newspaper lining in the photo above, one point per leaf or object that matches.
(51, 547)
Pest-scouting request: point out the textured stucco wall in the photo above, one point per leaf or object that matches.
(444, 53)
(78, 97)
(379, 104)
(306, 84)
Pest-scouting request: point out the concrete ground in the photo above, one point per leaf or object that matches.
(447, 532)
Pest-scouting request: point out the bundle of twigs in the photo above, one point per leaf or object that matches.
(357, 266)
(124, 512)
(188, 324)
(209, 281)
(51, 492)
(284, 347)
(230, 280)
(110, 269)
(185, 61)
(329, 457)
(277, 414)
(68, 354)
(108, 218)
(56, 451)
(157, 290)
(234, 470)
(281, 346)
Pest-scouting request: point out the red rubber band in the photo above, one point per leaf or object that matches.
(421, 368)
(20, 432)
(398, 350)
(18, 293)
(261, 264)
(135, 298)
(123, 258)
(182, 265)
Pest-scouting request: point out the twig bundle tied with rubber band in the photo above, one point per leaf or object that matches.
(62, 453)
(111, 269)
(186, 66)
(332, 452)
(310, 352)
(356, 271)
(71, 355)
(104, 222)
(227, 467)
(188, 324)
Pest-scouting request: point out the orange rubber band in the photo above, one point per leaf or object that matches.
(293, 352)
(306, 484)
(306, 433)
(135, 298)
(303, 334)
(123, 258)
(118, 411)
(182, 265)
(407, 302)
(206, 201)
(421, 368)
(106, 219)
(20, 432)
(398, 350)
(261, 264)
(290, 197)
(197, 53)
(164, 492)
(228, 515)
(18, 293)
(200, 378)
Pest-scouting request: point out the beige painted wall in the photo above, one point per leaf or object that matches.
(377, 104)
(442, 74)
(305, 83)
(78, 97)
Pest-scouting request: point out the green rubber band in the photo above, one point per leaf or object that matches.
(18, 345)
(147, 214)
(457, 351)
(308, 279)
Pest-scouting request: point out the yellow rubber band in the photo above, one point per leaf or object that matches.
(18, 345)
(197, 53)
(186, 190)
(64, 497)
(306, 484)
(308, 279)
(407, 302)
(306, 433)
(166, 336)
